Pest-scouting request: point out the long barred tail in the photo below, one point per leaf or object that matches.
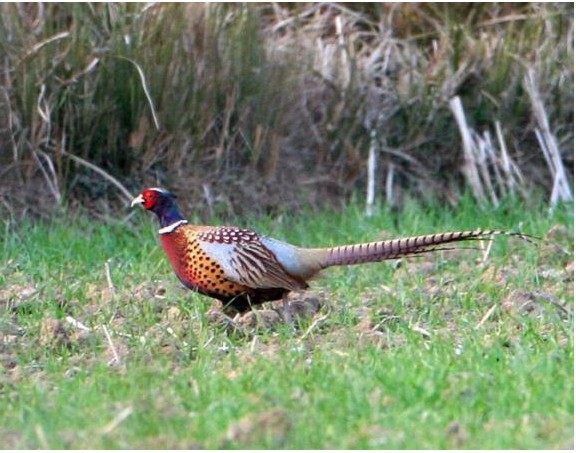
(397, 248)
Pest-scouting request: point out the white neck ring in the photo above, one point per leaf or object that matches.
(170, 228)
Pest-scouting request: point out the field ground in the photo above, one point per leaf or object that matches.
(468, 349)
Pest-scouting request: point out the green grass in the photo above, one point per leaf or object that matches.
(397, 358)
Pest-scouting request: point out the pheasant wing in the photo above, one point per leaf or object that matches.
(258, 267)
(246, 260)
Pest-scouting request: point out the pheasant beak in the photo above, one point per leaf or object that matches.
(138, 200)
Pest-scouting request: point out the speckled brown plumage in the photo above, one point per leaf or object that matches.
(194, 267)
(243, 268)
(204, 274)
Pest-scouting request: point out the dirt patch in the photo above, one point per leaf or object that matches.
(15, 295)
(273, 425)
(300, 308)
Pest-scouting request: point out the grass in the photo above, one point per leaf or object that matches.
(226, 102)
(444, 351)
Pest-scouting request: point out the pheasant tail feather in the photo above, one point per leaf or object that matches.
(397, 248)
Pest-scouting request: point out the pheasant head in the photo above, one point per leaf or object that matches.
(160, 202)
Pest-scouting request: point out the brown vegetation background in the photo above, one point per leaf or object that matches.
(262, 108)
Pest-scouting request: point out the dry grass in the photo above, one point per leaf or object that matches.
(227, 102)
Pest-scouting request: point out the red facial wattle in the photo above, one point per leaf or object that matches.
(150, 198)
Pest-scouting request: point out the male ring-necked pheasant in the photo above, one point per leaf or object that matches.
(242, 268)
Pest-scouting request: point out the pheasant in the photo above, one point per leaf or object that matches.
(242, 268)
